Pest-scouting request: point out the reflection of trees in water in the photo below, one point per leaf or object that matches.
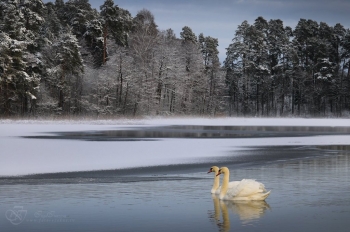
(335, 147)
(336, 157)
(246, 210)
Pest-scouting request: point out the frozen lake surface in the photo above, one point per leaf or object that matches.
(150, 175)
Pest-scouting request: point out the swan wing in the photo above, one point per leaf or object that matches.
(232, 184)
(245, 188)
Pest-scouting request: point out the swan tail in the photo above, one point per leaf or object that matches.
(262, 187)
(263, 196)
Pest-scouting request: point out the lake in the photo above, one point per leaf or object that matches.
(129, 177)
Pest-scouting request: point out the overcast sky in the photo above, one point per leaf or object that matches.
(220, 18)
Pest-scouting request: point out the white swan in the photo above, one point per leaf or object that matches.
(246, 189)
(216, 185)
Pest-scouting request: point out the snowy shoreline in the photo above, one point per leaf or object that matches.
(191, 121)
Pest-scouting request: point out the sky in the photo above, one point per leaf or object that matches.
(220, 18)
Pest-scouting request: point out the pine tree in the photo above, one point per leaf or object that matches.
(68, 62)
(18, 87)
(94, 40)
(116, 22)
(52, 26)
(236, 65)
(77, 14)
(261, 69)
(21, 59)
(208, 47)
(187, 35)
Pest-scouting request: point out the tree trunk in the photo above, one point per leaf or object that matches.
(126, 97)
(299, 100)
(135, 109)
(293, 96)
(7, 104)
(25, 105)
(121, 88)
(105, 34)
(348, 77)
(257, 99)
(61, 93)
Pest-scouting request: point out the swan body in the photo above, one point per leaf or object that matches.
(216, 185)
(244, 190)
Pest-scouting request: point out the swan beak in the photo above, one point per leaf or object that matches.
(209, 171)
(218, 173)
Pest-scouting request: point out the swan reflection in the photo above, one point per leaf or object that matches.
(246, 210)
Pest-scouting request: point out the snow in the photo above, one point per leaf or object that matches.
(20, 156)
(31, 95)
(25, 75)
(262, 68)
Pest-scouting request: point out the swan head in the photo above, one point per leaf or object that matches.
(223, 170)
(214, 169)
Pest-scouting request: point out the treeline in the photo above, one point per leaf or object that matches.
(275, 70)
(65, 58)
(69, 59)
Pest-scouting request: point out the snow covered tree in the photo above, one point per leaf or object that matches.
(337, 55)
(32, 11)
(52, 25)
(261, 69)
(20, 22)
(76, 14)
(270, 70)
(281, 54)
(18, 88)
(208, 46)
(236, 64)
(306, 40)
(144, 36)
(94, 40)
(67, 63)
(116, 22)
(187, 35)
(60, 10)
(144, 40)
(346, 65)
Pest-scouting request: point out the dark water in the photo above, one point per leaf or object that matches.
(310, 192)
(188, 131)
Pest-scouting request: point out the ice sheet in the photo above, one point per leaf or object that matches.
(20, 156)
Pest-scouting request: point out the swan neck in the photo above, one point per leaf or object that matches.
(226, 178)
(216, 183)
(224, 186)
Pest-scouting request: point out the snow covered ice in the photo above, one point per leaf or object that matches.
(21, 156)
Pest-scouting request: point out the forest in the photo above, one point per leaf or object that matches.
(68, 59)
